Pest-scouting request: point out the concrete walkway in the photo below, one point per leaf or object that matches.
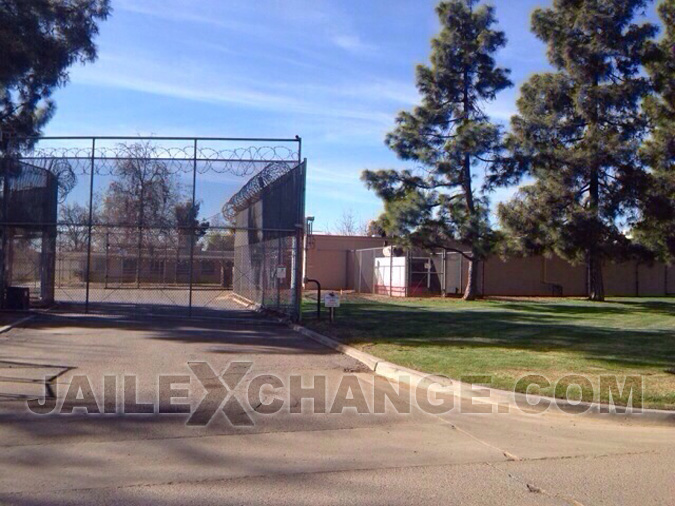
(289, 458)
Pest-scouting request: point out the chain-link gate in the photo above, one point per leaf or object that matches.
(196, 225)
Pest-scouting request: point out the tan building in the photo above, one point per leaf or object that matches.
(350, 263)
(208, 268)
(330, 259)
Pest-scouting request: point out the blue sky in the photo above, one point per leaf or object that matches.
(335, 72)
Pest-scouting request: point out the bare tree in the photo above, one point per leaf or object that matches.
(349, 224)
(142, 201)
(74, 219)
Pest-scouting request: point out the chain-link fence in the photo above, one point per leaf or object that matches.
(202, 225)
(396, 272)
(27, 250)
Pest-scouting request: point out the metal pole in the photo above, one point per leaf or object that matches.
(154, 138)
(430, 259)
(391, 273)
(299, 241)
(264, 270)
(91, 218)
(444, 287)
(192, 229)
(107, 255)
(299, 139)
(407, 273)
(5, 221)
(358, 271)
(139, 252)
(278, 281)
(318, 296)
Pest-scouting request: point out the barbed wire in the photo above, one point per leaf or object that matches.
(28, 176)
(265, 163)
(239, 162)
(253, 189)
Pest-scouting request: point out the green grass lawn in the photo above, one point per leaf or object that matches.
(509, 338)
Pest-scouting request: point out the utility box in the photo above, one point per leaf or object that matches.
(18, 298)
(390, 276)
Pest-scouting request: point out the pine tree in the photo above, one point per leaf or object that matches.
(657, 228)
(450, 137)
(40, 40)
(578, 132)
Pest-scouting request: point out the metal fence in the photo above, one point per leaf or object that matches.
(196, 225)
(28, 200)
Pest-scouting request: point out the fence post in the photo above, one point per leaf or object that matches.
(444, 286)
(297, 274)
(276, 276)
(359, 270)
(90, 224)
(299, 238)
(408, 273)
(391, 272)
(429, 272)
(107, 256)
(191, 227)
(5, 222)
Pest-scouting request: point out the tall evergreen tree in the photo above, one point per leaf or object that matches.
(578, 132)
(451, 137)
(657, 228)
(40, 40)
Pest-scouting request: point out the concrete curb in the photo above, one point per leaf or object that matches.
(370, 361)
(479, 394)
(21, 321)
(243, 301)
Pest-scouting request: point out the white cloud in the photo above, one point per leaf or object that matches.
(194, 81)
(353, 44)
(333, 175)
(182, 12)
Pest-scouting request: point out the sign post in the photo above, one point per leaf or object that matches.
(331, 301)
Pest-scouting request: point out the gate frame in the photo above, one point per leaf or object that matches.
(12, 145)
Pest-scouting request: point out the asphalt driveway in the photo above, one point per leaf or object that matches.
(245, 454)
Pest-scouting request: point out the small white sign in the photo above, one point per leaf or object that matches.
(331, 300)
(281, 272)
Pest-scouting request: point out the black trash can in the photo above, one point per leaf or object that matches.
(18, 298)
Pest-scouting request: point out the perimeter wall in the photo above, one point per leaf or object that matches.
(331, 260)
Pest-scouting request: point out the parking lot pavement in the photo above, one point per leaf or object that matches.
(309, 457)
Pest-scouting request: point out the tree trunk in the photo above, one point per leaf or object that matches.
(596, 288)
(596, 285)
(471, 290)
(139, 255)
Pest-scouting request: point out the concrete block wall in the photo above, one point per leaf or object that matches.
(331, 261)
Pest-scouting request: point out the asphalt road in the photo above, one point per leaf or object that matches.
(290, 458)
